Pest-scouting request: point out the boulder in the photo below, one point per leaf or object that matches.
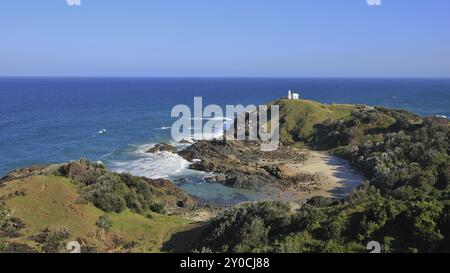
(162, 147)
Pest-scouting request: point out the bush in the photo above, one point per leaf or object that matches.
(307, 218)
(158, 208)
(254, 237)
(132, 202)
(83, 171)
(9, 225)
(109, 202)
(104, 222)
(108, 191)
(246, 228)
(52, 241)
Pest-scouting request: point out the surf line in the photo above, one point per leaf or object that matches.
(250, 122)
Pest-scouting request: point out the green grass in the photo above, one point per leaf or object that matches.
(151, 232)
(298, 117)
(51, 202)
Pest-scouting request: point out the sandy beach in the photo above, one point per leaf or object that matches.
(339, 177)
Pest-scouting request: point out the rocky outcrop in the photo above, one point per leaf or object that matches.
(162, 147)
(242, 164)
(31, 171)
(172, 194)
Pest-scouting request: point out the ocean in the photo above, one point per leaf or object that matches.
(114, 120)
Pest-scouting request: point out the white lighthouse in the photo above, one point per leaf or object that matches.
(293, 96)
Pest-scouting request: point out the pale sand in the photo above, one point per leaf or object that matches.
(341, 178)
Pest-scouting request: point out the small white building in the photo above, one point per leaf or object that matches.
(293, 96)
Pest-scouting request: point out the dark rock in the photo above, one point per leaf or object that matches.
(23, 172)
(82, 171)
(241, 164)
(162, 147)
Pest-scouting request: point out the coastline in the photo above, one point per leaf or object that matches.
(337, 177)
(113, 205)
(340, 177)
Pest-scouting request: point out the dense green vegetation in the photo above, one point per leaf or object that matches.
(110, 192)
(404, 157)
(345, 226)
(405, 205)
(114, 192)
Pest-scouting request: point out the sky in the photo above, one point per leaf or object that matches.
(225, 38)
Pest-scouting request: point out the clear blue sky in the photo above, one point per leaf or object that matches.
(279, 38)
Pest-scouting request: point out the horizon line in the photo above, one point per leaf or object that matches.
(228, 77)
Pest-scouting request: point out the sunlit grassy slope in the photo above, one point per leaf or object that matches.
(297, 117)
(52, 202)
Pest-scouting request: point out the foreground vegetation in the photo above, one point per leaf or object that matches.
(42, 209)
(405, 205)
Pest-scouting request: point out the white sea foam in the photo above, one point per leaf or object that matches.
(101, 132)
(207, 136)
(217, 134)
(153, 165)
(165, 127)
(162, 164)
(108, 154)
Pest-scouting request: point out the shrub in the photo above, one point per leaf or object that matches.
(9, 225)
(158, 208)
(109, 202)
(52, 241)
(104, 222)
(246, 228)
(254, 237)
(83, 171)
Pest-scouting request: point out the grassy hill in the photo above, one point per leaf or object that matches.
(316, 124)
(44, 212)
(298, 117)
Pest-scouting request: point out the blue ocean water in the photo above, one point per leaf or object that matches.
(50, 120)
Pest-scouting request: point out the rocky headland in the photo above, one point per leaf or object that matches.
(242, 164)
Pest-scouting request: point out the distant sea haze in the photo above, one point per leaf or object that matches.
(49, 120)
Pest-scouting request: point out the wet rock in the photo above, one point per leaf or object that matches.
(219, 178)
(162, 147)
(241, 164)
